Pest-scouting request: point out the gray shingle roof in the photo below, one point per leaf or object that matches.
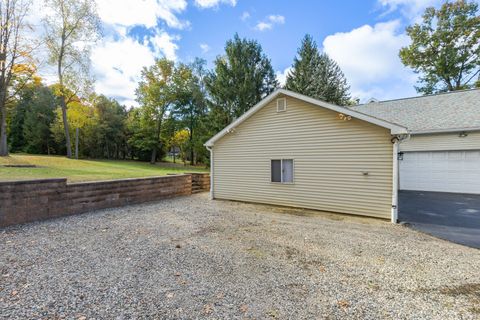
(446, 111)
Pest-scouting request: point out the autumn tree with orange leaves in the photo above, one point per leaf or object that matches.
(16, 63)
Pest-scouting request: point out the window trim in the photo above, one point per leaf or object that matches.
(281, 170)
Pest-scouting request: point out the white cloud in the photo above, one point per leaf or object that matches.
(269, 22)
(245, 16)
(410, 9)
(282, 75)
(262, 26)
(214, 3)
(276, 19)
(369, 58)
(117, 60)
(117, 65)
(142, 12)
(164, 44)
(205, 47)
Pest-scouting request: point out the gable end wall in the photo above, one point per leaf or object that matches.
(330, 159)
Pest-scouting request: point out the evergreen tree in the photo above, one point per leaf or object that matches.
(316, 75)
(22, 107)
(301, 78)
(331, 83)
(242, 77)
(36, 127)
(108, 132)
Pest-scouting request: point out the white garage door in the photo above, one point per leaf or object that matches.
(445, 171)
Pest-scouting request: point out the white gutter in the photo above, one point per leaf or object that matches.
(211, 171)
(450, 130)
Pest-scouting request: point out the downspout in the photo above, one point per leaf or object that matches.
(396, 140)
(394, 214)
(211, 172)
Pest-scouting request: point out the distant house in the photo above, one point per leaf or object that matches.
(293, 150)
(443, 151)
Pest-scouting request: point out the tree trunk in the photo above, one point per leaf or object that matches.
(192, 153)
(76, 143)
(153, 159)
(63, 103)
(3, 132)
(65, 126)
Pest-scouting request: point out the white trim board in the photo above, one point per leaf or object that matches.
(394, 128)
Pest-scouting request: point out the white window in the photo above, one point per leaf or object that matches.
(281, 104)
(282, 170)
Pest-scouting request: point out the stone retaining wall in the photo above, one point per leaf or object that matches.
(200, 182)
(26, 201)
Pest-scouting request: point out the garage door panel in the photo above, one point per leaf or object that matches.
(446, 171)
(472, 156)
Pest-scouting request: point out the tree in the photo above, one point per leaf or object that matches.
(71, 28)
(301, 78)
(316, 75)
(136, 135)
(445, 48)
(16, 139)
(16, 63)
(38, 119)
(80, 115)
(108, 132)
(242, 77)
(155, 93)
(180, 140)
(190, 100)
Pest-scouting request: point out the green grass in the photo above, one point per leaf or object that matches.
(179, 161)
(83, 170)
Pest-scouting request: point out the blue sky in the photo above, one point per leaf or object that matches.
(362, 36)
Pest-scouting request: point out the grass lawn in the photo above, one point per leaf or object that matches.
(83, 170)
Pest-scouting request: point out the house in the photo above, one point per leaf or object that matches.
(292, 150)
(443, 151)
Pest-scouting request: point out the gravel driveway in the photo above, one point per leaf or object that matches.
(189, 258)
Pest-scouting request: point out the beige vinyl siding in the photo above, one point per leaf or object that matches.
(442, 142)
(330, 156)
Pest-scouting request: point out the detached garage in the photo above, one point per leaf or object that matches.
(292, 150)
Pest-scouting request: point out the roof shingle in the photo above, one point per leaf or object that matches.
(447, 111)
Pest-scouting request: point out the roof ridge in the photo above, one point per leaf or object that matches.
(420, 97)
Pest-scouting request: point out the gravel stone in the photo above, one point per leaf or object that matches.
(193, 258)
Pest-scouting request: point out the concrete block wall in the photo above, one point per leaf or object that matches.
(26, 201)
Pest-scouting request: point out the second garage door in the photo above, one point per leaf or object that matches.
(441, 171)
